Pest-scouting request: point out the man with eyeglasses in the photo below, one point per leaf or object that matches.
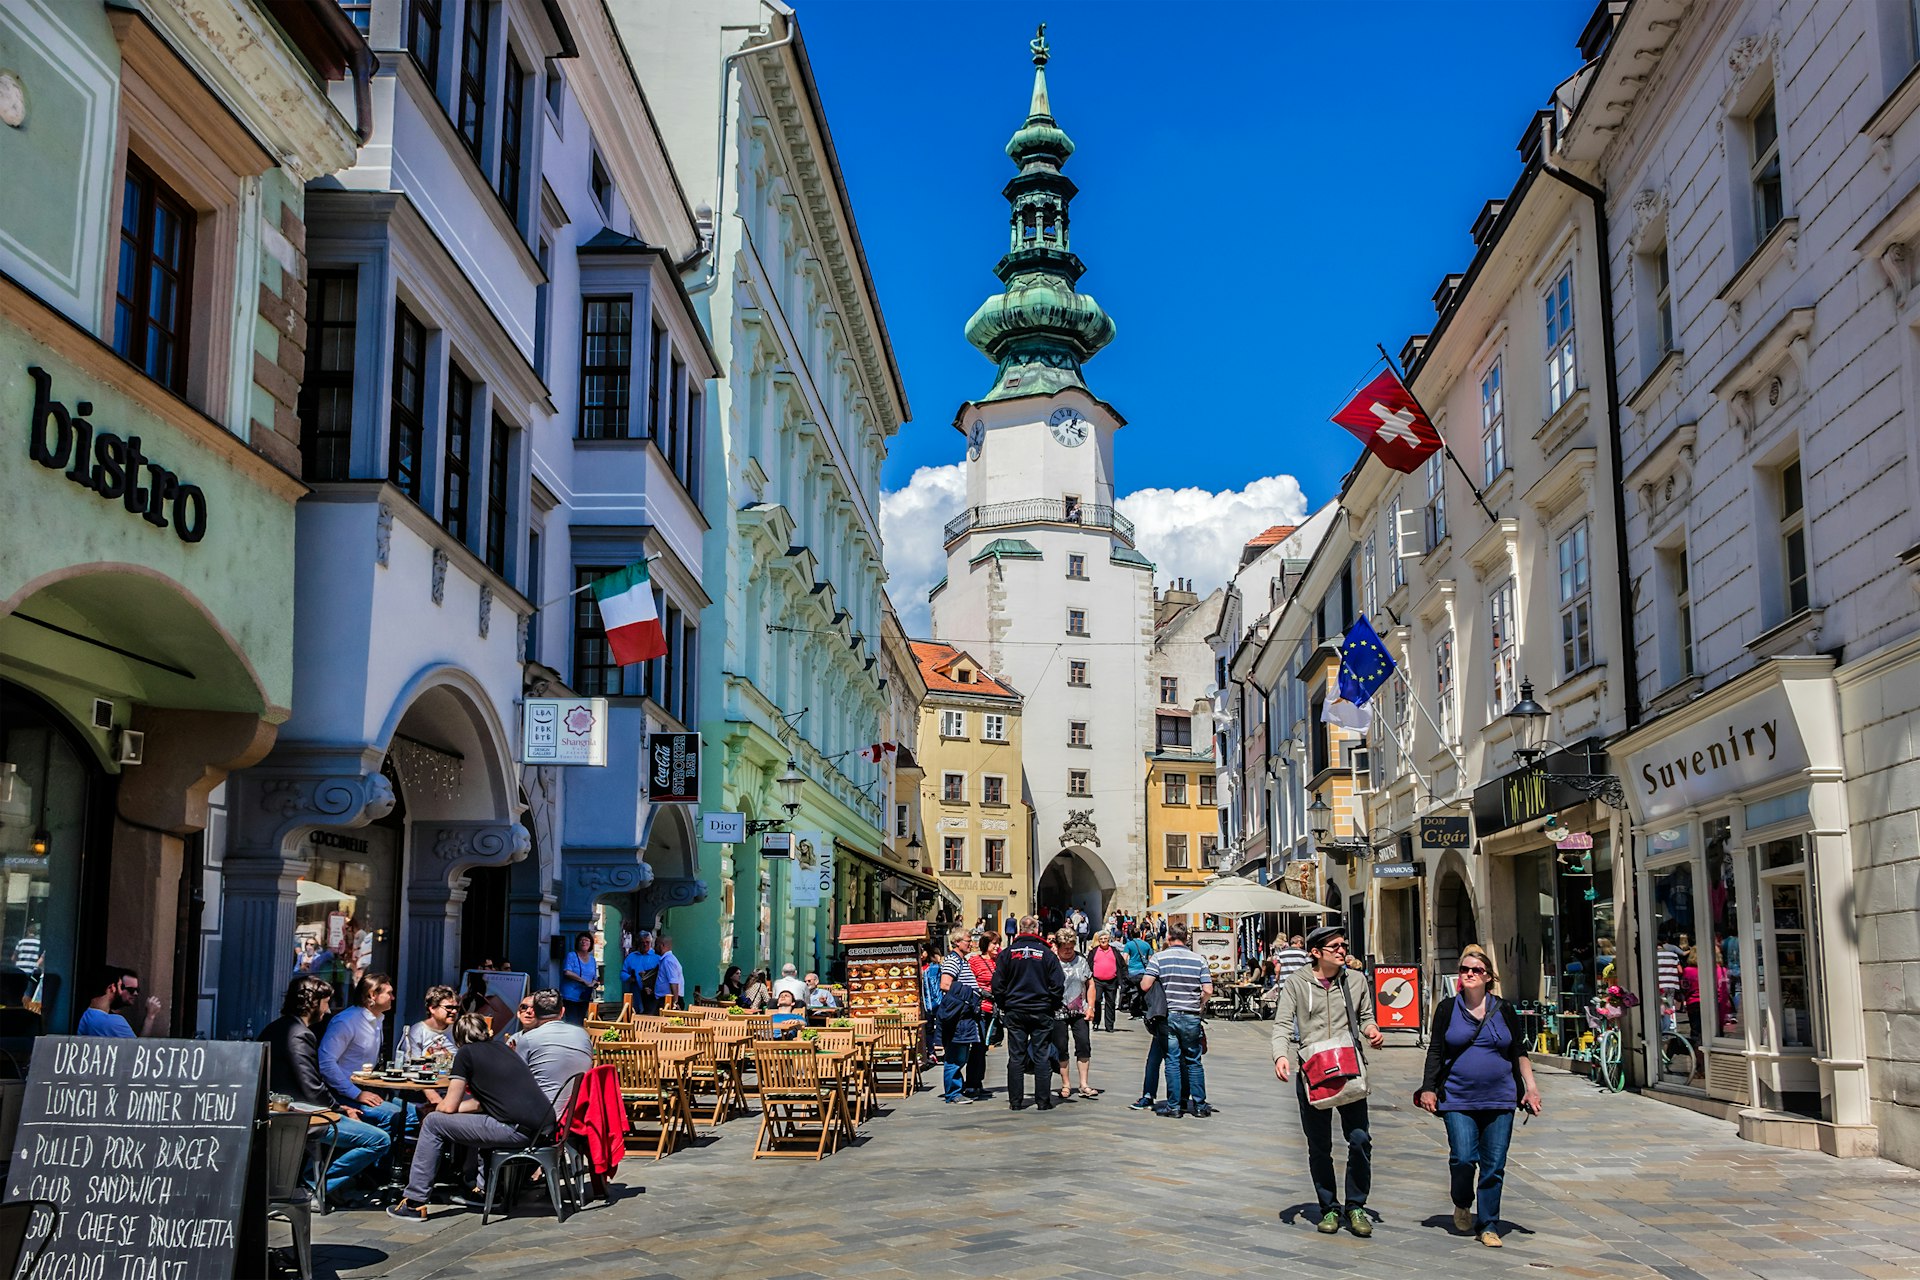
(118, 991)
(1324, 1002)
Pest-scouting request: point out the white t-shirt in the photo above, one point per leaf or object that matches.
(791, 984)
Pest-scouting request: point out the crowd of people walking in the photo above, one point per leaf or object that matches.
(1044, 993)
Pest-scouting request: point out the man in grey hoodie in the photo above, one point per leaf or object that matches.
(1323, 1001)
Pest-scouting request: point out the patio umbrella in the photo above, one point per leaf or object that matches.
(1236, 896)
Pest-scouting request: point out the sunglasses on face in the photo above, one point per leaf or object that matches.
(1333, 946)
(1471, 968)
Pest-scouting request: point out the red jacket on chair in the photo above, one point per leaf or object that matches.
(600, 1117)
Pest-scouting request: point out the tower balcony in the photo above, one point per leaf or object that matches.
(1039, 511)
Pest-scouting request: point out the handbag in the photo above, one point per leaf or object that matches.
(1334, 1069)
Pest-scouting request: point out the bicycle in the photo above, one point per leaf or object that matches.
(1601, 1047)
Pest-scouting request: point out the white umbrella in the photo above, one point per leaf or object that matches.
(1236, 896)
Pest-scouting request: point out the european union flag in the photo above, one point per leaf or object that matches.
(1365, 664)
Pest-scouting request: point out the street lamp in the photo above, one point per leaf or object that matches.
(1320, 822)
(1319, 819)
(790, 784)
(913, 852)
(1529, 720)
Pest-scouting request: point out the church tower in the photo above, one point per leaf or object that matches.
(1043, 582)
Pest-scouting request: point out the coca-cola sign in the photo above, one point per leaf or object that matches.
(673, 768)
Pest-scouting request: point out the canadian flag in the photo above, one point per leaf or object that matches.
(879, 750)
(1390, 422)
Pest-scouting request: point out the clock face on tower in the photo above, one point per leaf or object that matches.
(1069, 426)
(976, 437)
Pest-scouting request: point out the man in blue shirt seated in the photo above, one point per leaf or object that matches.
(351, 1042)
(117, 990)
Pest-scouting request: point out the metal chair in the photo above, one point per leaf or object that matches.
(551, 1151)
(287, 1197)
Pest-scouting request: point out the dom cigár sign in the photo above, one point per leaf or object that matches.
(110, 465)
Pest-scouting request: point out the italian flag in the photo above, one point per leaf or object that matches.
(626, 610)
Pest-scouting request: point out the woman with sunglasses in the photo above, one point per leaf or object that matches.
(1477, 1071)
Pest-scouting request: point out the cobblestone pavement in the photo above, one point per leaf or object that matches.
(1599, 1186)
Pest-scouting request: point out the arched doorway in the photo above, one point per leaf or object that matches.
(1454, 922)
(1074, 878)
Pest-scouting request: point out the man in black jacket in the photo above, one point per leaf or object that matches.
(293, 1068)
(1028, 986)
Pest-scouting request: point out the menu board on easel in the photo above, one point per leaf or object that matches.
(147, 1147)
(883, 968)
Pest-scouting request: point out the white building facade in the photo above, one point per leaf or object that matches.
(1044, 585)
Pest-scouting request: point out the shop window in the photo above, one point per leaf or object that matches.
(1576, 600)
(153, 299)
(1176, 788)
(345, 909)
(1676, 964)
(1176, 851)
(500, 489)
(953, 853)
(1786, 989)
(471, 117)
(513, 93)
(1781, 808)
(606, 367)
(406, 431)
(1723, 902)
(457, 482)
(326, 393)
(996, 856)
(423, 39)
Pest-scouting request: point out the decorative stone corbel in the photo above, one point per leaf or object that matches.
(1740, 411)
(440, 559)
(486, 609)
(460, 845)
(383, 535)
(1896, 264)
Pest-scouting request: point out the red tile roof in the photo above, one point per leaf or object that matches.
(1276, 533)
(937, 659)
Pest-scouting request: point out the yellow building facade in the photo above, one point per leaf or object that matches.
(973, 806)
(1183, 823)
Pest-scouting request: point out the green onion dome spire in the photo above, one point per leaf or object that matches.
(1040, 329)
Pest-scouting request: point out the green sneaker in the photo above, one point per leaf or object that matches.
(1358, 1222)
(1330, 1222)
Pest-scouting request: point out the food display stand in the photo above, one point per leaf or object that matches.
(883, 967)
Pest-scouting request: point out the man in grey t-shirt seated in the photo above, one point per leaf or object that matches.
(554, 1050)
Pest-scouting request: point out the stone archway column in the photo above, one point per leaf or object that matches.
(270, 810)
(436, 891)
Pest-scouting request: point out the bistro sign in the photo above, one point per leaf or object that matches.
(111, 465)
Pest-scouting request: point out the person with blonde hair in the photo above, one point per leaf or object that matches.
(1477, 1070)
(1071, 1026)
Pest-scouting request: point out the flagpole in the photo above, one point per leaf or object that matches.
(585, 586)
(1457, 466)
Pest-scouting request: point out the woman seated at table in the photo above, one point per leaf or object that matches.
(787, 1013)
(759, 988)
(732, 987)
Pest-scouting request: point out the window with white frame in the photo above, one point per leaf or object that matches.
(900, 821)
(1504, 649)
(1443, 686)
(1493, 423)
(1177, 851)
(1077, 672)
(993, 788)
(996, 855)
(993, 728)
(953, 853)
(1209, 851)
(953, 724)
(1076, 565)
(1683, 616)
(1369, 577)
(1793, 540)
(1079, 782)
(953, 788)
(1076, 733)
(1398, 573)
(1176, 788)
(1561, 372)
(1209, 790)
(1675, 610)
(1436, 499)
(1076, 622)
(1169, 691)
(1575, 580)
(1763, 173)
(1661, 278)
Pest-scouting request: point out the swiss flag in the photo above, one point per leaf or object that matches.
(1390, 423)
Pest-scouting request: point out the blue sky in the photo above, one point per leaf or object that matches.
(1266, 192)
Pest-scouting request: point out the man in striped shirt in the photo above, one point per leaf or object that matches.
(1188, 987)
(1291, 957)
(961, 1036)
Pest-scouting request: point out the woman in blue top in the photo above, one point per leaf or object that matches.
(1477, 1072)
(576, 982)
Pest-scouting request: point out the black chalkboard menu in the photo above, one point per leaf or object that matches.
(146, 1146)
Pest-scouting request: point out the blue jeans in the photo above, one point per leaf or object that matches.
(1479, 1138)
(358, 1146)
(1186, 1079)
(953, 1068)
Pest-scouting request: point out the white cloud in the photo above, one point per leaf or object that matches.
(1194, 533)
(1189, 533)
(912, 521)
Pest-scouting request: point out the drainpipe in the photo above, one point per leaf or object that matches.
(712, 275)
(1630, 665)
